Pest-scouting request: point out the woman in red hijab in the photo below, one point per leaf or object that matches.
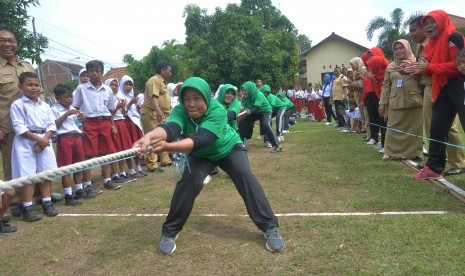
(448, 100)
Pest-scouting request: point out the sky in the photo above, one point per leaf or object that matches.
(79, 31)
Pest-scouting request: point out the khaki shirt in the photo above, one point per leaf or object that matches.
(338, 88)
(419, 54)
(9, 90)
(406, 96)
(156, 86)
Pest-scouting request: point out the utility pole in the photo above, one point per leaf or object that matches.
(41, 76)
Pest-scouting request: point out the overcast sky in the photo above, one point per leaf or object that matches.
(103, 29)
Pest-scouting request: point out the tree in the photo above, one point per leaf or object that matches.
(14, 14)
(391, 29)
(304, 43)
(142, 70)
(242, 42)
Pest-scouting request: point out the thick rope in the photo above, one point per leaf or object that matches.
(49, 175)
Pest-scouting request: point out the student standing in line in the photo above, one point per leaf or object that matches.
(34, 126)
(70, 147)
(132, 120)
(95, 100)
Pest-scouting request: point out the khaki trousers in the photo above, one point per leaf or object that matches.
(6, 146)
(149, 122)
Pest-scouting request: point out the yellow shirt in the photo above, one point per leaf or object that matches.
(156, 86)
(9, 90)
(338, 88)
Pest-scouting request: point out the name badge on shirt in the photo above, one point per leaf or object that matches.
(399, 82)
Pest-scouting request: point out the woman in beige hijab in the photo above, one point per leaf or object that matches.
(401, 104)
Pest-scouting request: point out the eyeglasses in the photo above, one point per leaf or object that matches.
(7, 40)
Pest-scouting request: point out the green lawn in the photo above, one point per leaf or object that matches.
(320, 170)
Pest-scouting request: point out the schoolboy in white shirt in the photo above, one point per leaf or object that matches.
(33, 126)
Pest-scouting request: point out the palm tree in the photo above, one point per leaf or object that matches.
(391, 30)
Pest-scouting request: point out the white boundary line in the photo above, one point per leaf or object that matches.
(278, 215)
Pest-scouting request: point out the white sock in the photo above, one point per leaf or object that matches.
(27, 204)
(68, 191)
(139, 168)
(122, 173)
(86, 183)
(114, 175)
(106, 180)
(132, 171)
(46, 199)
(78, 186)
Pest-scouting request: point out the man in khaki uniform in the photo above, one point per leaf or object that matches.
(339, 93)
(455, 155)
(156, 107)
(11, 66)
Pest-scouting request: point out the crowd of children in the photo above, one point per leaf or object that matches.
(93, 120)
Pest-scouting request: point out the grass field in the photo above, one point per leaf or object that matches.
(320, 171)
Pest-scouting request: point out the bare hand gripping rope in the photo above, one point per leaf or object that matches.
(65, 170)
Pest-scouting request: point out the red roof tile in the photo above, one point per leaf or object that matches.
(458, 21)
(116, 73)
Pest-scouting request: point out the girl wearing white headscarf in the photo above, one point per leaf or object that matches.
(173, 89)
(132, 119)
(120, 134)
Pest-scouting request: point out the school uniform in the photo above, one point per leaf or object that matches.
(37, 118)
(132, 118)
(309, 103)
(318, 110)
(96, 105)
(121, 139)
(70, 146)
(299, 101)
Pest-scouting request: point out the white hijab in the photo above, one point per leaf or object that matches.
(132, 111)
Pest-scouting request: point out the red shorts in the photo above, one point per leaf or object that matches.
(122, 139)
(70, 149)
(97, 137)
(134, 131)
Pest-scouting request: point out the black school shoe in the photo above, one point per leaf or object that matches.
(30, 214)
(455, 171)
(49, 209)
(5, 228)
(71, 200)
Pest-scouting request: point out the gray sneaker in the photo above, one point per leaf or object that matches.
(118, 180)
(274, 241)
(30, 214)
(110, 185)
(93, 188)
(85, 193)
(49, 209)
(167, 245)
(5, 228)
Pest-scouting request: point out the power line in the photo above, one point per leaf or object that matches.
(81, 53)
(78, 36)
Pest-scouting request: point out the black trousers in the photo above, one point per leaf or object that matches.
(236, 165)
(339, 119)
(449, 103)
(372, 105)
(286, 117)
(246, 125)
(279, 123)
(328, 109)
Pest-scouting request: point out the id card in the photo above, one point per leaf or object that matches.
(399, 82)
